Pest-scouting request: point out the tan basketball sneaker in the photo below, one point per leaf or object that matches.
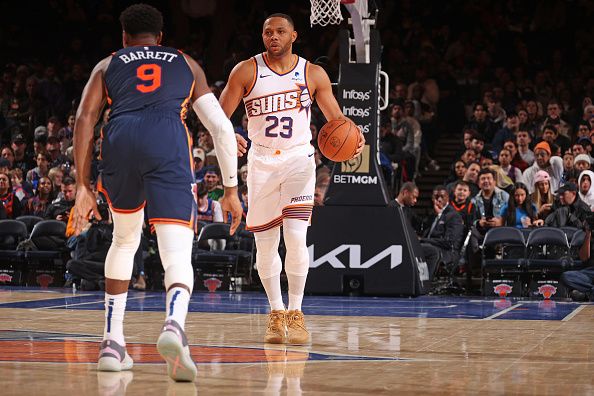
(296, 331)
(277, 327)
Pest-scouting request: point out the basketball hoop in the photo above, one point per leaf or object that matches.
(325, 12)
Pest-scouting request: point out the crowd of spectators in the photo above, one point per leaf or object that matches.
(513, 81)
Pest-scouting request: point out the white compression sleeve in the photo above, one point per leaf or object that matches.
(211, 114)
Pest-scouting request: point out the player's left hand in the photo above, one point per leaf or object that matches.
(361, 144)
(84, 203)
(230, 205)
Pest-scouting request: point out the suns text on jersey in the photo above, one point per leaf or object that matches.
(145, 55)
(272, 103)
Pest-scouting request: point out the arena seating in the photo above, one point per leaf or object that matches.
(518, 266)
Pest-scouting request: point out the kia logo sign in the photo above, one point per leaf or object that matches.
(354, 261)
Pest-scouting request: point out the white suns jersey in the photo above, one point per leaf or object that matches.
(278, 106)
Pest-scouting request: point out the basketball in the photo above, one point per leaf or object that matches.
(338, 140)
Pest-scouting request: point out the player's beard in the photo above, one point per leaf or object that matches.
(284, 50)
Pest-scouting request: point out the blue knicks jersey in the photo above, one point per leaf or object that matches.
(148, 77)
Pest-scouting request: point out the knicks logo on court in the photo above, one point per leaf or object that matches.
(281, 101)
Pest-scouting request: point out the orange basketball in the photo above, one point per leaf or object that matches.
(338, 140)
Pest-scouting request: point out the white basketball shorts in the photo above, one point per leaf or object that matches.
(281, 185)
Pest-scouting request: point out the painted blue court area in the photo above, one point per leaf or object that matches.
(256, 303)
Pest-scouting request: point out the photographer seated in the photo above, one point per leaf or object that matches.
(90, 250)
(571, 211)
(581, 282)
(60, 208)
(441, 242)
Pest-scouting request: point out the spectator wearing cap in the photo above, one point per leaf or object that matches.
(212, 181)
(199, 169)
(22, 159)
(586, 190)
(542, 196)
(509, 131)
(553, 165)
(582, 162)
(523, 140)
(571, 210)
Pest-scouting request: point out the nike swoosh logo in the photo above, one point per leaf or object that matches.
(309, 155)
(262, 76)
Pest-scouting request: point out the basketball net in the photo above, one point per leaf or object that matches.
(325, 12)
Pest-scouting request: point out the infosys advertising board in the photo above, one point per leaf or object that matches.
(359, 181)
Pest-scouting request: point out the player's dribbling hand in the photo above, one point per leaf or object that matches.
(361, 144)
(84, 203)
(230, 205)
(241, 145)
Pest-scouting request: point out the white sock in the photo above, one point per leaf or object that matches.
(178, 300)
(273, 291)
(115, 307)
(296, 288)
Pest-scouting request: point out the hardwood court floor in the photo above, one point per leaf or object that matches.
(429, 345)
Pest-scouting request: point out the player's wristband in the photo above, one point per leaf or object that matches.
(211, 114)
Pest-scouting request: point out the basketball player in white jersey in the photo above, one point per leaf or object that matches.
(278, 88)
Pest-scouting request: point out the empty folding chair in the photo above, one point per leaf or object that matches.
(29, 221)
(47, 257)
(503, 262)
(569, 232)
(548, 255)
(216, 266)
(12, 232)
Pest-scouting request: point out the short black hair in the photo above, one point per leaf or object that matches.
(281, 15)
(409, 186)
(486, 171)
(68, 181)
(141, 18)
(440, 187)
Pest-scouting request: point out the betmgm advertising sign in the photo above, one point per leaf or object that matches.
(359, 181)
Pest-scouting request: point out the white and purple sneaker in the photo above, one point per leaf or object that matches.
(173, 347)
(113, 357)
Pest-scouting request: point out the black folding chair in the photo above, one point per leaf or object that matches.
(47, 258)
(504, 261)
(29, 221)
(12, 232)
(548, 256)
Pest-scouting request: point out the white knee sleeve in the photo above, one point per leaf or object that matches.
(268, 260)
(175, 250)
(295, 235)
(127, 228)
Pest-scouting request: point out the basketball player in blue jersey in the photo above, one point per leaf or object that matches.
(278, 88)
(147, 156)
